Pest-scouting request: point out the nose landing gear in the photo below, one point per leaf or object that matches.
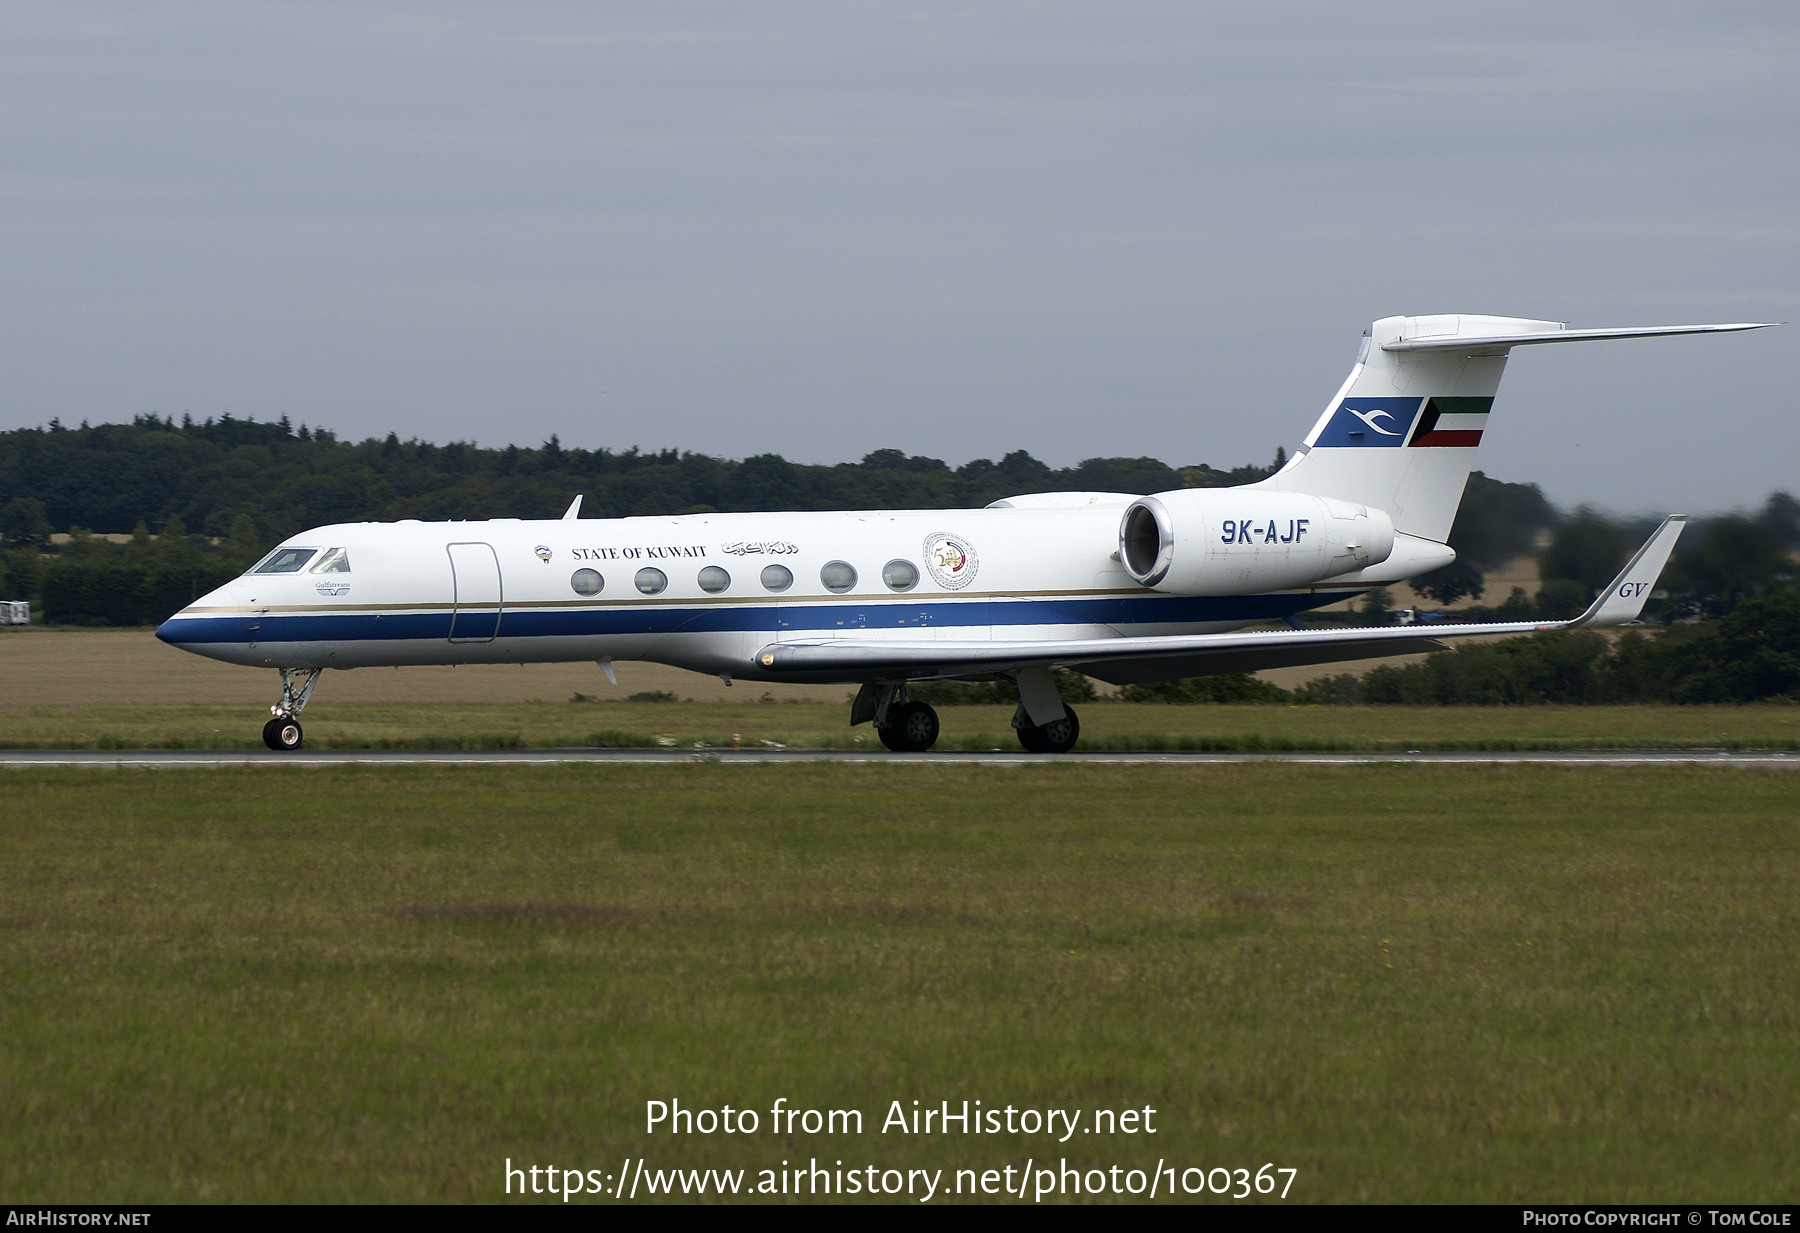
(284, 732)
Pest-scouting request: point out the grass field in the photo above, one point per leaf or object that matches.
(1409, 983)
(813, 725)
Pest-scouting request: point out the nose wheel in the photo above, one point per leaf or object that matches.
(281, 733)
(284, 732)
(1057, 736)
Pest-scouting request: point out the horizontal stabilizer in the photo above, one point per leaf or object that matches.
(1486, 342)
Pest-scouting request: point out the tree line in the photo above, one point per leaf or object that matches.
(1719, 561)
(208, 474)
(1752, 654)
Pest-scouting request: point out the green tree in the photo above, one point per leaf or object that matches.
(242, 544)
(1752, 653)
(1780, 516)
(1561, 667)
(81, 545)
(1377, 607)
(23, 521)
(1517, 606)
(1561, 598)
(1495, 523)
(1724, 561)
(1587, 549)
(1459, 579)
(25, 570)
(174, 550)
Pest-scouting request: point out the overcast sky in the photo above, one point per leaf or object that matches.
(953, 229)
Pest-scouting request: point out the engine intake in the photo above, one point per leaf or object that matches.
(1230, 541)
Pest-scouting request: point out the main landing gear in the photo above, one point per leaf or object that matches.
(1038, 696)
(284, 731)
(1057, 736)
(912, 727)
(903, 726)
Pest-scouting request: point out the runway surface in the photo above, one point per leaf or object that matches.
(178, 759)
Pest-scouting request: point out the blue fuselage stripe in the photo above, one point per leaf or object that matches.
(769, 618)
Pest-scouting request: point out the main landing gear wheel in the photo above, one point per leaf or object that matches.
(1057, 736)
(280, 733)
(912, 727)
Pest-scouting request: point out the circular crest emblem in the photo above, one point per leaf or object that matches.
(543, 552)
(951, 560)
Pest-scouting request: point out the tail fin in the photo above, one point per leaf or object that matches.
(1401, 434)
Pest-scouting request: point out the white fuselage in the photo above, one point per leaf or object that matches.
(506, 591)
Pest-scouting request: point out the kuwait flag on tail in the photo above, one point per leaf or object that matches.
(1452, 421)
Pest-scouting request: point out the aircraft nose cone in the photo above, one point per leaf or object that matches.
(172, 630)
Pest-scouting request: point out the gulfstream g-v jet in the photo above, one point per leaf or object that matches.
(1122, 587)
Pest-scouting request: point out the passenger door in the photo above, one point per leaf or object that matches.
(475, 574)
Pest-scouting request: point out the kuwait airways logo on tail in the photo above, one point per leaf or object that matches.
(1378, 423)
(1370, 423)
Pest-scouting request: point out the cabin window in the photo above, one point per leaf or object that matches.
(900, 575)
(587, 582)
(651, 581)
(838, 576)
(713, 580)
(285, 561)
(777, 577)
(335, 561)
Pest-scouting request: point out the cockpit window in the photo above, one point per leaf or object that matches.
(285, 561)
(335, 561)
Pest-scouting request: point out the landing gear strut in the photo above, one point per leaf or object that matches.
(284, 732)
(1057, 736)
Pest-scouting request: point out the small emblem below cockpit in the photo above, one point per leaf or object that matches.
(543, 552)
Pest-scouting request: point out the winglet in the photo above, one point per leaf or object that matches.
(574, 510)
(1624, 597)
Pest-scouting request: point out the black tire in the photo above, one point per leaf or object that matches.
(1058, 736)
(283, 734)
(912, 728)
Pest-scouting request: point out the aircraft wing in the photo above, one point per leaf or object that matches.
(1125, 660)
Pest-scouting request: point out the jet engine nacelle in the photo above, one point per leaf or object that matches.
(1231, 541)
